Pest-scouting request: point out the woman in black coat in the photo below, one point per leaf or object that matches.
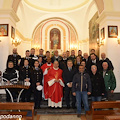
(98, 86)
(10, 76)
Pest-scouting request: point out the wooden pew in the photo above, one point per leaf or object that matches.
(23, 106)
(114, 117)
(103, 109)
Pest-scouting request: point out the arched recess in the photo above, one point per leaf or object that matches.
(68, 34)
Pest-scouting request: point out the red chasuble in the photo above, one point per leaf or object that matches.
(55, 88)
(45, 79)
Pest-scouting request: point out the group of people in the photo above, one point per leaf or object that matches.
(69, 76)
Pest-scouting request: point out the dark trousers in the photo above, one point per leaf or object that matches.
(14, 93)
(68, 94)
(109, 95)
(37, 97)
(26, 95)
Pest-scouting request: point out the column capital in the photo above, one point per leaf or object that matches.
(108, 16)
(9, 14)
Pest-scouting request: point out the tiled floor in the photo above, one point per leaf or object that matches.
(59, 117)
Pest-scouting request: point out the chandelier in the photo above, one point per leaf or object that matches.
(16, 42)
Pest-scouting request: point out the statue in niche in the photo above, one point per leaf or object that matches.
(55, 38)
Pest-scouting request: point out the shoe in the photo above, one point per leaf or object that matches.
(73, 107)
(36, 107)
(78, 115)
(68, 106)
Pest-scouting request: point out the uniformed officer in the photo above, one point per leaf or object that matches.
(37, 76)
(15, 58)
(25, 76)
(27, 56)
(33, 56)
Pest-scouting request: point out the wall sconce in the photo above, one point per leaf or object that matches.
(73, 46)
(16, 42)
(37, 47)
(118, 39)
(100, 42)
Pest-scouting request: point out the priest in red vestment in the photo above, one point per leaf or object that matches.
(56, 85)
(45, 68)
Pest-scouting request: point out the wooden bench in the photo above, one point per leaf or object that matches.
(101, 109)
(24, 107)
(113, 117)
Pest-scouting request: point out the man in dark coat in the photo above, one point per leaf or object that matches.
(92, 61)
(104, 59)
(72, 56)
(68, 74)
(15, 58)
(56, 57)
(81, 88)
(98, 86)
(91, 52)
(63, 62)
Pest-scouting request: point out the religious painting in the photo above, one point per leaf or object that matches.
(13, 32)
(3, 29)
(103, 33)
(55, 39)
(94, 33)
(112, 31)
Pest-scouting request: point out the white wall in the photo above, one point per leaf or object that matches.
(30, 18)
(111, 46)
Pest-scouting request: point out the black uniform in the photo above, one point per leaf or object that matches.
(10, 74)
(68, 77)
(30, 60)
(14, 58)
(37, 76)
(25, 72)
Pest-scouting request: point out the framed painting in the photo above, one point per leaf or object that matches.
(103, 33)
(3, 29)
(12, 32)
(112, 31)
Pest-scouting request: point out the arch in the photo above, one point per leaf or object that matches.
(15, 4)
(100, 5)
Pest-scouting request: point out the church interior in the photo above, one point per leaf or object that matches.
(61, 25)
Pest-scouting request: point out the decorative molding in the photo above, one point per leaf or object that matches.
(107, 15)
(84, 41)
(22, 37)
(9, 13)
(56, 10)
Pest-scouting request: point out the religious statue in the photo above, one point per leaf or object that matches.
(55, 38)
